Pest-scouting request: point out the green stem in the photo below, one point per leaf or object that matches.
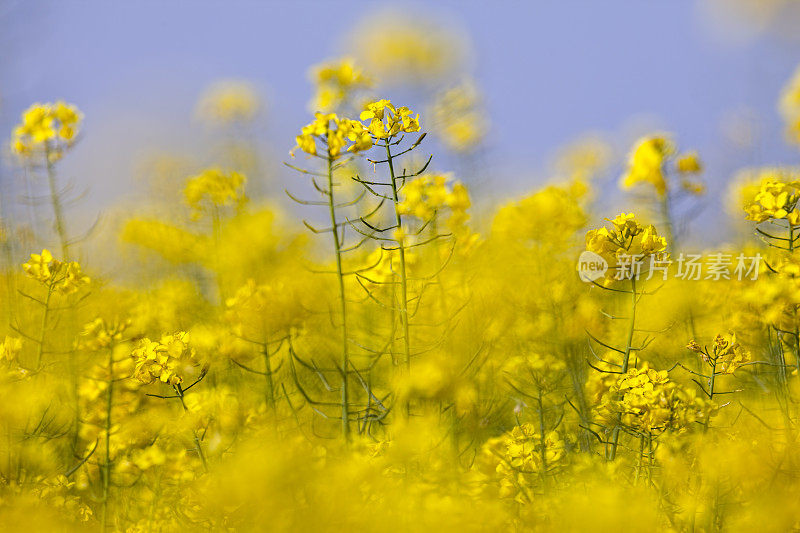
(179, 392)
(107, 464)
(403, 275)
(270, 392)
(542, 446)
(58, 212)
(337, 246)
(43, 327)
(711, 383)
(612, 453)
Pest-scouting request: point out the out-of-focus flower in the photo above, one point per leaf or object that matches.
(789, 107)
(336, 83)
(646, 163)
(459, 118)
(47, 129)
(651, 160)
(102, 334)
(399, 47)
(10, 348)
(214, 188)
(229, 102)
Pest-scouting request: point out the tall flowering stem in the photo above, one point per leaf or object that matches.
(776, 203)
(46, 132)
(336, 136)
(57, 278)
(623, 247)
(401, 247)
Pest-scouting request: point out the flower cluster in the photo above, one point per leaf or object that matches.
(61, 277)
(336, 81)
(649, 160)
(626, 238)
(775, 200)
(48, 128)
(214, 187)
(520, 453)
(647, 401)
(229, 102)
(726, 354)
(99, 333)
(336, 133)
(163, 360)
(386, 120)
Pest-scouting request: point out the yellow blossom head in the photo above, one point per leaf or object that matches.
(47, 129)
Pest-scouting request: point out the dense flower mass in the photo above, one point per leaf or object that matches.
(396, 352)
(647, 401)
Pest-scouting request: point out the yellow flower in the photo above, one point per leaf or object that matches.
(215, 187)
(336, 133)
(38, 267)
(386, 120)
(336, 82)
(789, 107)
(10, 348)
(402, 47)
(626, 237)
(458, 117)
(646, 163)
(774, 200)
(101, 334)
(47, 128)
(647, 401)
(162, 360)
(229, 102)
(726, 353)
(689, 163)
(64, 278)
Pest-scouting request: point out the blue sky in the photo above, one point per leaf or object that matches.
(551, 71)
